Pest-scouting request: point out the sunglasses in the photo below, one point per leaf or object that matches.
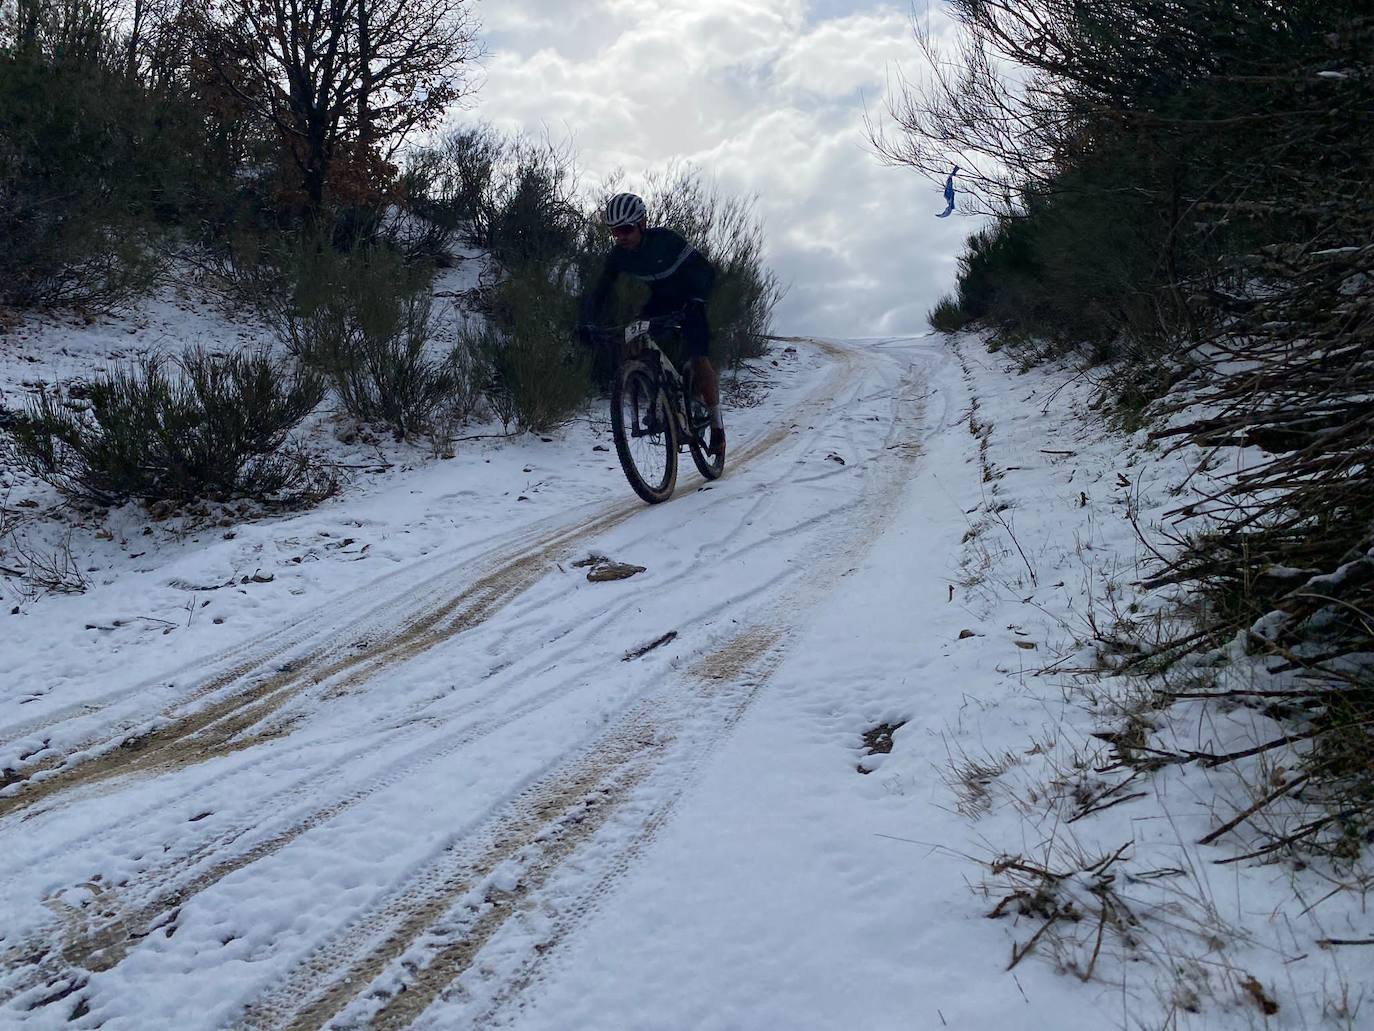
(623, 230)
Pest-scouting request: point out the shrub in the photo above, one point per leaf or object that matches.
(213, 428)
(947, 316)
(994, 273)
(68, 217)
(533, 218)
(429, 219)
(515, 197)
(362, 319)
(104, 146)
(451, 183)
(385, 374)
(533, 375)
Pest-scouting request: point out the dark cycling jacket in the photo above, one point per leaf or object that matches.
(674, 271)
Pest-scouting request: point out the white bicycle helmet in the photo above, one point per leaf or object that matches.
(624, 209)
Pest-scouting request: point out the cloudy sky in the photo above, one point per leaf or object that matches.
(765, 96)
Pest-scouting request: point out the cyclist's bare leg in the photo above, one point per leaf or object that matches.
(706, 381)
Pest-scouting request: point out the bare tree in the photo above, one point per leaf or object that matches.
(343, 83)
(1031, 86)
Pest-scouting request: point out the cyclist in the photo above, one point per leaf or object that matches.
(679, 279)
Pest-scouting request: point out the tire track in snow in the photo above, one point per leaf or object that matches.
(305, 653)
(230, 724)
(747, 663)
(326, 622)
(99, 945)
(726, 667)
(534, 834)
(430, 911)
(744, 665)
(97, 936)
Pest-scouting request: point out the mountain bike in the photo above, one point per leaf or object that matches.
(655, 411)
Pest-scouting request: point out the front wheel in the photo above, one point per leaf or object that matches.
(645, 438)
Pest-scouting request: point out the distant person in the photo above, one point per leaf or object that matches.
(679, 279)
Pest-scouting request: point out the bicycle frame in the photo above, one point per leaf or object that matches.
(670, 380)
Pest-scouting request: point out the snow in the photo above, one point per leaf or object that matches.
(418, 772)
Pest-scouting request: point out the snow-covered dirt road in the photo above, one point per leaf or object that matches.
(436, 799)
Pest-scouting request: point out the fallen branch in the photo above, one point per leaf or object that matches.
(1018, 956)
(1097, 946)
(1116, 801)
(1305, 831)
(1241, 692)
(486, 436)
(1232, 824)
(643, 650)
(1035, 581)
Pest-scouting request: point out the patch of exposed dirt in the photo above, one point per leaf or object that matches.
(878, 741)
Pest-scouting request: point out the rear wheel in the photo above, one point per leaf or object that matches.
(699, 427)
(642, 425)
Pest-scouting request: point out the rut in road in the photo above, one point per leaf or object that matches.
(100, 944)
(233, 723)
(98, 936)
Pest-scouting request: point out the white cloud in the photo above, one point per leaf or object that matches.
(762, 97)
(837, 58)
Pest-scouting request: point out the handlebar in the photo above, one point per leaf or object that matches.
(615, 333)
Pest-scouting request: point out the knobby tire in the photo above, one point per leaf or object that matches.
(636, 400)
(710, 466)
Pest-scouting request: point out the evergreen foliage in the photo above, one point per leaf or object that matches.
(362, 318)
(1187, 189)
(947, 316)
(204, 426)
(84, 152)
(533, 376)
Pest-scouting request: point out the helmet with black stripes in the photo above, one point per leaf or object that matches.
(624, 209)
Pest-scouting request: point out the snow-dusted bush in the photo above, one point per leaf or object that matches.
(532, 374)
(385, 374)
(946, 316)
(513, 196)
(363, 320)
(204, 426)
